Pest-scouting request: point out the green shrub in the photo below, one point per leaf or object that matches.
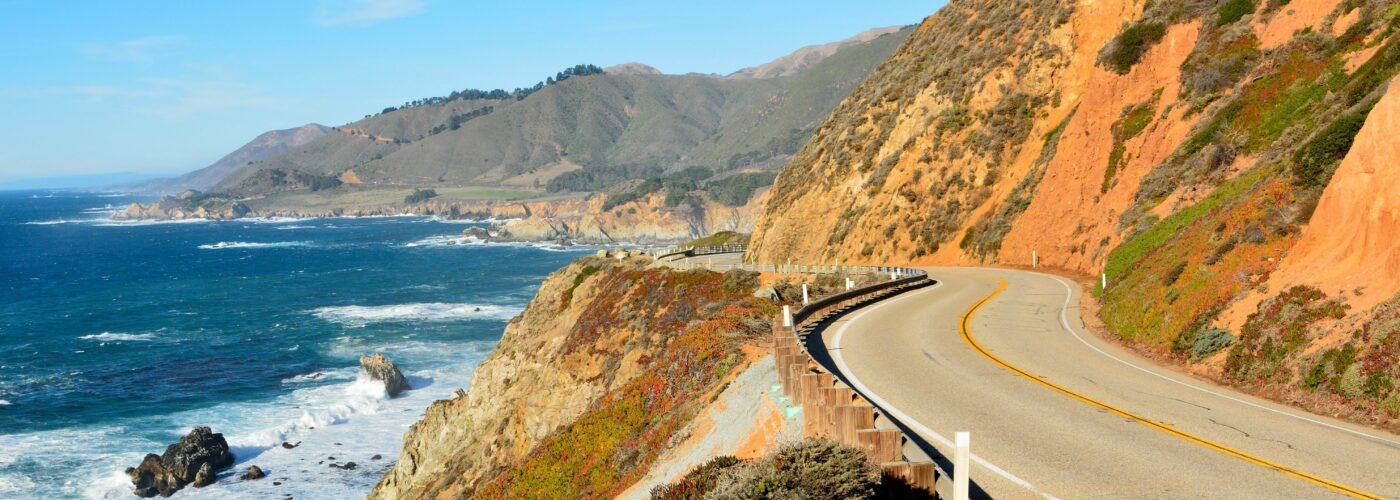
(1313, 163)
(697, 482)
(811, 468)
(1209, 342)
(737, 281)
(1128, 47)
(736, 190)
(420, 195)
(1233, 10)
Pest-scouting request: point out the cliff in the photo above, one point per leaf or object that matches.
(1206, 157)
(587, 386)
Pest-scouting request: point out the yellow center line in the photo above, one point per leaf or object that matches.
(967, 337)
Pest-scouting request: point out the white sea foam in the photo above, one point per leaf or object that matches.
(347, 417)
(294, 226)
(118, 337)
(425, 312)
(445, 241)
(472, 241)
(4, 402)
(253, 244)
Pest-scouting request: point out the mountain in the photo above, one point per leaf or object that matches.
(627, 123)
(803, 58)
(631, 68)
(263, 146)
(1225, 167)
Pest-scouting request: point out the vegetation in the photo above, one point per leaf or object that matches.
(420, 195)
(735, 190)
(1128, 47)
(596, 179)
(612, 444)
(1133, 121)
(811, 468)
(455, 121)
(1210, 342)
(984, 238)
(698, 481)
(498, 94)
(1277, 331)
(1234, 10)
(719, 238)
(1315, 161)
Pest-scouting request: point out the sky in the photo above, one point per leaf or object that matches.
(165, 87)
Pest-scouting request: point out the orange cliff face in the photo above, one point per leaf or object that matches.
(1353, 239)
(935, 136)
(945, 180)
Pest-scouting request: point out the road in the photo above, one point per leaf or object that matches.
(1056, 412)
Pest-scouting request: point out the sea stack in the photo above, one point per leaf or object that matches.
(194, 460)
(380, 368)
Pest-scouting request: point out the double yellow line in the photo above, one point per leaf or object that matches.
(967, 337)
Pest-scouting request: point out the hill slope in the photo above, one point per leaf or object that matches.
(1184, 149)
(632, 124)
(262, 147)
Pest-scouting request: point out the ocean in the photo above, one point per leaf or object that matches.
(117, 337)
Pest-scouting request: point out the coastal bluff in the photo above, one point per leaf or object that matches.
(588, 386)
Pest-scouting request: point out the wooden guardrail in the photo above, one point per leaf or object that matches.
(830, 408)
(833, 410)
(684, 252)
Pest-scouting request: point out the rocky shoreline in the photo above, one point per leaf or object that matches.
(568, 220)
(200, 456)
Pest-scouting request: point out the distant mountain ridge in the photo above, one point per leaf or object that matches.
(805, 57)
(628, 122)
(264, 146)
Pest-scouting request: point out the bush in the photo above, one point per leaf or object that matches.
(1234, 10)
(697, 482)
(1313, 163)
(1127, 48)
(737, 281)
(811, 468)
(420, 195)
(1209, 342)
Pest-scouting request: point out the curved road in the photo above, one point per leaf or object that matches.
(1056, 412)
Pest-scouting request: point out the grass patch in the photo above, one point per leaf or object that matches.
(1130, 124)
(1128, 47)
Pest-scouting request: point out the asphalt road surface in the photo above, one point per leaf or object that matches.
(1056, 412)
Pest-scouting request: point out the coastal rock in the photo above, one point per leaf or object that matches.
(204, 477)
(380, 368)
(254, 472)
(196, 459)
(477, 232)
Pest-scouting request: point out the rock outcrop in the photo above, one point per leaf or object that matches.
(196, 459)
(187, 205)
(254, 472)
(380, 368)
(594, 326)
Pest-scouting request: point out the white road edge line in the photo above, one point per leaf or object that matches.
(1069, 294)
(835, 352)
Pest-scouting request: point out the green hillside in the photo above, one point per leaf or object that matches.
(593, 129)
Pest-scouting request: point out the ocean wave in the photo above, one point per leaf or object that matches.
(295, 226)
(253, 244)
(4, 402)
(118, 337)
(420, 312)
(446, 241)
(472, 241)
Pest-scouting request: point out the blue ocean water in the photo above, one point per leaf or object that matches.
(117, 337)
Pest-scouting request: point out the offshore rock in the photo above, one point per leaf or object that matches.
(380, 368)
(254, 472)
(196, 459)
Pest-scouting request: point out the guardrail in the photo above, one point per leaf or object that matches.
(831, 409)
(684, 252)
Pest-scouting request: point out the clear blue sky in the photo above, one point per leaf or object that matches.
(170, 86)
